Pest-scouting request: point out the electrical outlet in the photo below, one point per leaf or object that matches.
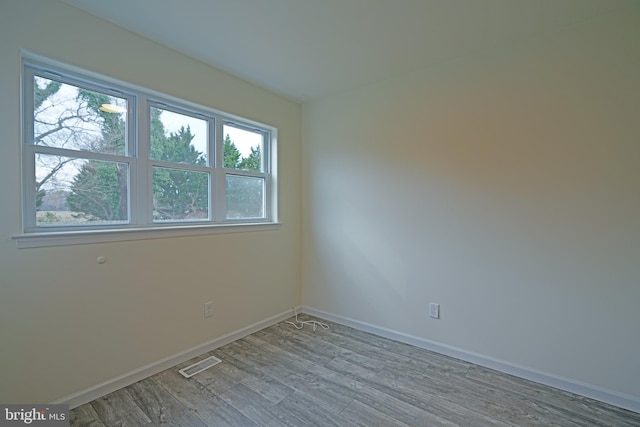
(434, 310)
(208, 309)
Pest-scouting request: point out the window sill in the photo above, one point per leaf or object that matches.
(63, 238)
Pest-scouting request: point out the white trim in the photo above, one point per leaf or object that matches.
(621, 400)
(84, 396)
(63, 238)
(40, 240)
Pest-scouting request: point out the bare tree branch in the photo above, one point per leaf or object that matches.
(52, 172)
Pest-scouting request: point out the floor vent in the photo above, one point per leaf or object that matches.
(200, 366)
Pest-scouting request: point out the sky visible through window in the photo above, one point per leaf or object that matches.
(242, 139)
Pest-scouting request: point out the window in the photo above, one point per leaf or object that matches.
(99, 155)
(179, 157)
(245, 177)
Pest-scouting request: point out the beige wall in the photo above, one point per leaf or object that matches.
(67, 323)
(503, 186)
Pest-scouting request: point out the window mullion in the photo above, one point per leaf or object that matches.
(219, 191)
(76, 154)
(132, 152)
(181, 166)
(142, 185)
(213, 158)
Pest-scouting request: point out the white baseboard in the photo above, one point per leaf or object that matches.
(80, 398)
(631, 403)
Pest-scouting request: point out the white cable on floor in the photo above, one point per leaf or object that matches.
(300, 324)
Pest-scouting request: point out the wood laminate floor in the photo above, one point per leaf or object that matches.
(281, 376)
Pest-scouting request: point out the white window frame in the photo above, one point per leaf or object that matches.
(141, 224)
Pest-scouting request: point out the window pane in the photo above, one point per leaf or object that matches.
(178, 138)
(72, 191)
(245, 197)
(243, 149)
(180, 195)
(66, 116)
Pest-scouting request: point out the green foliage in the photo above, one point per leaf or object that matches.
(112, 125)
(157, 133)
(231, 154)
(253, 162)
(176, 148)
(245, 195)
(96, 192)
(178, 194)
(233, 158)
(40, 197)
(41, 95)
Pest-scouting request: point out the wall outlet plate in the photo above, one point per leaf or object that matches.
(434, 310)
(208, 309)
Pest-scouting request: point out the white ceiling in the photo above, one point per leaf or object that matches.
(309, 49)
